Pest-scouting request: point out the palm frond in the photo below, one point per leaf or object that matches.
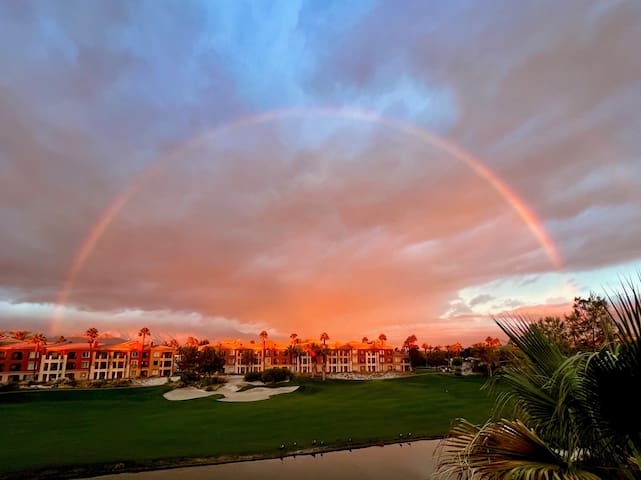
(502, 449)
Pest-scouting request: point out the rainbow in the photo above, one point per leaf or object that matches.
(88, 245)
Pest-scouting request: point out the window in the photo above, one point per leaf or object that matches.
(84, 364)
(71, 365)
(71, 355)
(54, 366)
(156, 354)
(85, 354)
(32, 365)
(155, 363)
(134, 354)
(134, 363)
(16, 355)
(14, 367)
(154, 373)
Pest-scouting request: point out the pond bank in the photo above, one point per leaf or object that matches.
(131, 469)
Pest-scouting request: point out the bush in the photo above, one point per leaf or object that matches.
(189, 377)
(276, 375)
(211, 381)
(270, 375)
(8, 387)
(121, 382)
(253, 376)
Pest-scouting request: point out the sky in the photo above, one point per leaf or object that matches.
(219, 168)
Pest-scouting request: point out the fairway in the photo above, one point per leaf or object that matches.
(136, 426)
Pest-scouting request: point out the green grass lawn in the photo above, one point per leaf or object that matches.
(66, 427)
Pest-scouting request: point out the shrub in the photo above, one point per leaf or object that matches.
(210, 381)
(276, 375)
(253, 376)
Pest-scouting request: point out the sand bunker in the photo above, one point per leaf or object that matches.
(187, 393)
(230, 392)
(256, 394)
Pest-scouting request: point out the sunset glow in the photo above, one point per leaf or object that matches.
(216, 172)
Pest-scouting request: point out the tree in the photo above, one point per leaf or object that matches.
(324, 337)
(293, 337)
(410, 341)
(210, 360)
(416, 358)
(192, 342)
(91, 334)
(365, 340)
(248, 357)
(589, 325)
(425, 348)
(382, 338)
(557, 332)
(21, 335)
(37, 339)
(263, 337)
(188, 359)
(144, 333)
(559, 417)
(292, 350)
(61, 339)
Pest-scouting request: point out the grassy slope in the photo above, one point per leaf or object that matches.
(56, 428)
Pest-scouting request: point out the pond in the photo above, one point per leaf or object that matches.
(407, 461)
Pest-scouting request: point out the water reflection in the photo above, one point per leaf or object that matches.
(408, 462)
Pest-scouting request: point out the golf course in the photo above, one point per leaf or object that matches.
(73, 433)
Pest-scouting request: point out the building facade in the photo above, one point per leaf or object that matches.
(77, 359)
(309, 357)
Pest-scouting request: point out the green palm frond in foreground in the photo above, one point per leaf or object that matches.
(559, 417)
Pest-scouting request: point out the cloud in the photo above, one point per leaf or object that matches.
(317, 222)
(481, 299)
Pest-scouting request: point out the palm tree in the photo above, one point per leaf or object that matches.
(91, 334)
(293, 337)
(192, 342)
(364, 340)
(383, 338)
(144, 332)
(61, 339)
(425, 348)
(410, 341)
(37, 339)
(323, 352)
(20, 334)
(559, 417)
(263, 336)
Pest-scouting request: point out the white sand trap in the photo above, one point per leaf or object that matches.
(187, 393)
(230, 392)
(256, 394)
